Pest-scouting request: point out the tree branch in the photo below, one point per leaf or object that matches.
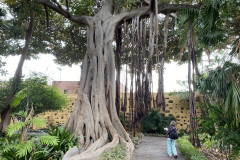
(146, 2)
(47, 15)
(81, 19)
(67, 5)
(108, 4)
(162, 8)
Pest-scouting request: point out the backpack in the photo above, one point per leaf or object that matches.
(173, 134)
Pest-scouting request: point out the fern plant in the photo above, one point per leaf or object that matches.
(26, 149)
(29, 149)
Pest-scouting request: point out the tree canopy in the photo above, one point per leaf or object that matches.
(34, 91)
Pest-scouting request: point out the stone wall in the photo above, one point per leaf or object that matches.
(179, 109)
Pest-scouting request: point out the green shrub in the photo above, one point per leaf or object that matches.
(155, 122)
(34, 148)
(189, 150)
(52, 146)
(183, 132)
(116, 153)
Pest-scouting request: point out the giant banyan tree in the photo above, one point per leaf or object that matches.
(95, 117)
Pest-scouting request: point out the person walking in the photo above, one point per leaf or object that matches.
(171, 140)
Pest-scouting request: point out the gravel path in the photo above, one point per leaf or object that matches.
(154, 148)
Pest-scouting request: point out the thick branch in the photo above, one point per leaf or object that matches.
(108, 5)
(81, 19)
(47, 15)
(162, 8)
(146, 2)
(28, 37)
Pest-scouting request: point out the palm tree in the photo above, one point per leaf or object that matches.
(222, 87)
(202, 29)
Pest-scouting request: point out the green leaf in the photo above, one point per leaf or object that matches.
(20, 114)
(39, 122)
(9, 147)
(25, 148)
(14, 127)
(49, 140)
(18, 98)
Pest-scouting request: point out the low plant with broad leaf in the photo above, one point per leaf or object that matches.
(66, 141)
(20, 147)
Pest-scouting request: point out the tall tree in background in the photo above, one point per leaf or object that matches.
(118, 66)
(6, 113)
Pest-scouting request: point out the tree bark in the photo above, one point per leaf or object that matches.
(95, 116)
(6, 113)
(118, 66)
(126, 48)
(160, 97)
(194, 139)
(148, 74)
(139, 74)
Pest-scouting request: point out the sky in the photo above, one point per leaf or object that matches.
(45, 64)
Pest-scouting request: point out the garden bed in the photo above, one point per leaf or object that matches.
(213, 154)
(189, 150)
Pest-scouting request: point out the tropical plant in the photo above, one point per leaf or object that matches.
(53, 145)
(20, 148)
(222, 87)
(219, 130)
(66, 141)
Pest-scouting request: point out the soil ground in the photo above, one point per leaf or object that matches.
(154, 148)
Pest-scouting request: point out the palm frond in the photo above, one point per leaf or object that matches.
(210, 38)
(232, 102)
(18, 98)
(208, 23)
(186, 16)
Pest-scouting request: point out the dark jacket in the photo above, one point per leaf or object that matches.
(170, 128)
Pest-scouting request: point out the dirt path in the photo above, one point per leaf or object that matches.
(154, 148)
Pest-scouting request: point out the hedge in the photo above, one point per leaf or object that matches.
(189, 150)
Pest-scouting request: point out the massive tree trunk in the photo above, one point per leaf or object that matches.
(6, 113)
(95, 117)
